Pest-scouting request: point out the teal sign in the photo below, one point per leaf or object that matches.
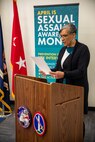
(48, 21)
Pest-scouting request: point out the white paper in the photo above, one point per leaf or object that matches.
(42, 65)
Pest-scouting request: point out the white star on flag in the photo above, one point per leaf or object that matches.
(21, 63)
(14, 41)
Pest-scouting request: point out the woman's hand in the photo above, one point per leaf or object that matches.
(57, 74)
(43, 73)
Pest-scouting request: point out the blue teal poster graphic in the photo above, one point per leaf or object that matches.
(48, 20)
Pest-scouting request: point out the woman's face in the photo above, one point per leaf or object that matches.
(67, 38)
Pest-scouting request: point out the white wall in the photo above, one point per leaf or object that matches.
(26, 16)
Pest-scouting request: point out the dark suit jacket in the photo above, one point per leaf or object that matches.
(75, 67)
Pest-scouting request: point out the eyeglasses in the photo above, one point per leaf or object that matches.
(66, 35)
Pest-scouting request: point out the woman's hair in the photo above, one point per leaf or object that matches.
(71, 28)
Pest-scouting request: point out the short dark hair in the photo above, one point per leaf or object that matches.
(72, 28)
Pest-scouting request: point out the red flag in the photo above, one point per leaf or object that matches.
(17, 52)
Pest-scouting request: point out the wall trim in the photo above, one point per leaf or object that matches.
(91, 108)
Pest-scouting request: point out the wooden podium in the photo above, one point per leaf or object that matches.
(61, 105)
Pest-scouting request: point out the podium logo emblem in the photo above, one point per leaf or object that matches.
(39, 124)
(24, 117)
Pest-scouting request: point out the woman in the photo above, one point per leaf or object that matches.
(72, 63)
